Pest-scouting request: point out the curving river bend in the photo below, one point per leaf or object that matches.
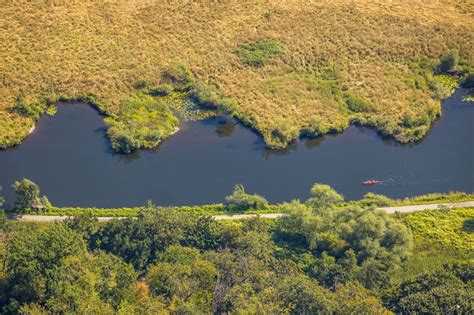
(69, 157)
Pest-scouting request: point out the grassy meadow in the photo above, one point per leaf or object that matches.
(285, 68)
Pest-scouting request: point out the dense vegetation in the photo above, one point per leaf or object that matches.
(286, 68)
(318, 259)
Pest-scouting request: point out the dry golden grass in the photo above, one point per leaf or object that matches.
(102, 48)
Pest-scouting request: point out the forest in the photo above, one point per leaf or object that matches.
(324, 257)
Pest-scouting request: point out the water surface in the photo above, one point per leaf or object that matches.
(71, 160)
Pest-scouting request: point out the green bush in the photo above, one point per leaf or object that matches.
(163, 89)
(449, 61)
(178, 74)
(357, 104)
(240, 200)
(257, 54)
(208, 96)
(32, 110)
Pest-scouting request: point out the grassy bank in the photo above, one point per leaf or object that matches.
(216, 209)
(289, 67)
(205, 210)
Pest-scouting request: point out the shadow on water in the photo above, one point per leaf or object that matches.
(70, 158)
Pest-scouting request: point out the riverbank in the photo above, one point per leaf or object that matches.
(263, 215)
(434, 201)
(201, 163)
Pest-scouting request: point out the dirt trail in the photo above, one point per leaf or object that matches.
(400, 209)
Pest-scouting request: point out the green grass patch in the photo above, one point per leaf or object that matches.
(257, 54)
(204, 210)
(446, 228)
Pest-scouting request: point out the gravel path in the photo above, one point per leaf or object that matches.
(401, 209)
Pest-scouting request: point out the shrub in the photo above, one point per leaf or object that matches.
(208, 96)
(240, 200)
(449, 61)
(357, 104)
(323, 197)
(257, 54)
(179, 74)
(163, 89)
(27, 196)
(32, 110)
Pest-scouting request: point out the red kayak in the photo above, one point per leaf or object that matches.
(371, 182)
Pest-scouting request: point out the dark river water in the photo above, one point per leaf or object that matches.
(69, 157)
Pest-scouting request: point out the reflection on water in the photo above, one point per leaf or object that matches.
(70, 158)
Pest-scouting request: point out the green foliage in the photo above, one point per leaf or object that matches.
(374, 200)
(357, 104)
(257, 54)
(179, 75)
(90, 284)
(182, 274)
(444, 291)
(346, 243)
(31, 110)
(141, 123)
(301, 295)
(170, 260)
(353, 298)
(240, 200)
(323, 197)
(436, 198)
(443, 85)
(449, 61)
(32, 259)
(443, 227)
(27, 196)
(208, 96)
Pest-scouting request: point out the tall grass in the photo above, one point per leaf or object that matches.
(101, 49)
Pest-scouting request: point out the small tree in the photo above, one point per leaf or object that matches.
(243, 201)
(26, 195)
(323, 197)
(449, 61)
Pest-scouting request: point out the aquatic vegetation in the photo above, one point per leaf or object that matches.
(142, 122)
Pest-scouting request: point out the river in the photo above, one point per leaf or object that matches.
(70, 159)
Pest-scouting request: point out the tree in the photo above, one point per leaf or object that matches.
(240, 200)
(27, 196)
(323, 197)
(447, 290)
(353, 298)
(181, 273)
(449, 61)
(301, 295)
(90, 284)
(139, 241)
(34, 258)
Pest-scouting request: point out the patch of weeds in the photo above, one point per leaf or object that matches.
(257, 54)
(142, 122)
